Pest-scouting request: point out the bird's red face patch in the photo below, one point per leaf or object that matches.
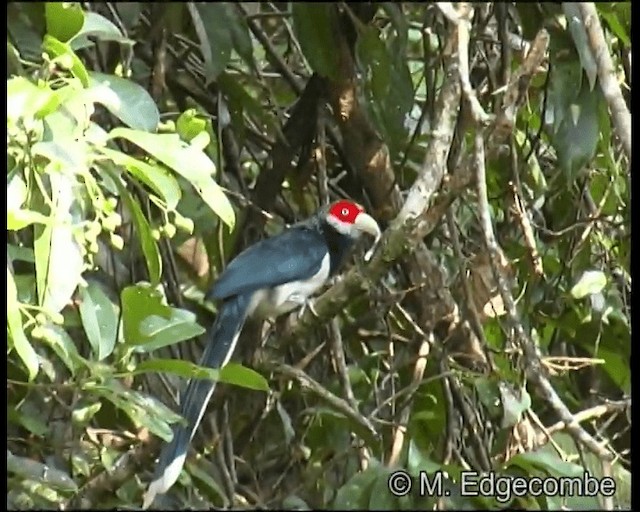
(345, 211)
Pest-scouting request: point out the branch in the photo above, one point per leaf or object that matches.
(412, 223)
(335, 401)
(465, 15)
(607, 74)
(532, 361)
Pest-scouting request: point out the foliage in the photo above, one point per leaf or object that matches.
(145, 141)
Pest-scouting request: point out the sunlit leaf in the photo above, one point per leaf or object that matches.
(82, 415)
(64, 19)
(191, 163)
(14, 324)
(148, 243)
(138, 302)
(144, 411)
(157, 332)
(156, 177)
(56, 48)
(590, 282)
(239, 375)
(58, 258)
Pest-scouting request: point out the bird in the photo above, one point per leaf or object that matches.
(269, 278)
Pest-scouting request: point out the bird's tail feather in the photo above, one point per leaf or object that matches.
(193, 403)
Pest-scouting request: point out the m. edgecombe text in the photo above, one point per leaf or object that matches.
(501, 487)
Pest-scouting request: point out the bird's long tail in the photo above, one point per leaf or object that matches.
(194, 400)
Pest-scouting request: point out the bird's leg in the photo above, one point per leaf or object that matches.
(305, 302)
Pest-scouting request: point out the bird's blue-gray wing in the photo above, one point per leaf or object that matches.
(292, 255)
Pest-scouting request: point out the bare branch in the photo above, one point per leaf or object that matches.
(314, 386)
(465, 14)
(532, 360)
(607, 74)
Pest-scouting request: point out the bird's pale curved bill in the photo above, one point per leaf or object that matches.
(367, 224)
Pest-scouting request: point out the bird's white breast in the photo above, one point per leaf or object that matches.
(276, 301)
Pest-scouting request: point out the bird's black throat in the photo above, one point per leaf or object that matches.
(338, 244)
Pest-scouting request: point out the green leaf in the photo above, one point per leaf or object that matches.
(313, 25)
(58, 258)
(241, 36)
(62, 344)
(388, 86)
(138, 302)
(100, 320)
(213, 26)
(616, 365)
(189, 124)
(82, 415)
(513, 406)
(126, 100)
(158, 332)
(205, 477)
(397, 17)
(26, 100)
(20, 253)
(565, 83)
(18, 219)
(231, 374)
(417, 461)
(57, 48)
(98, 26)
(179, 367)
(14, 325)
(156, 177)
(72, 155)
(355, 494)
(609, 14)
(591, 282)
(581, 40)
(49, 476)
(287, 424)
(16, 192)
(143, 410)
(68, 121)
(191, 163)
(32, 423)
(147, 242)
(64, 19)
(25, 27)
(376, 61)
(576, 139)
(548, 462)
(381, 498)
(242, 376)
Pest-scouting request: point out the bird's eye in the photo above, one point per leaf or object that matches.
(345, 212)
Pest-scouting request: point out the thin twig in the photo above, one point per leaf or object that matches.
(337, 350)
(401, 429)
(306, 382)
